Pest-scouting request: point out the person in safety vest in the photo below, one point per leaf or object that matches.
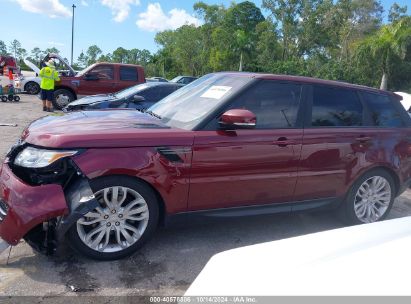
(48, 76)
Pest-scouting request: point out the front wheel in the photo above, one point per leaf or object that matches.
(31, 87)
(370, 198)
(126, 218)
(62, 98)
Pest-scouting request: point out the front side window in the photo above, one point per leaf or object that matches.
(335, 107)
(382, 111)
(128, 73)
(103, 72)
(274, 104)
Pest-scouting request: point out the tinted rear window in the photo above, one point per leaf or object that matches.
(335, 107)
(383, 112)
(128, 74)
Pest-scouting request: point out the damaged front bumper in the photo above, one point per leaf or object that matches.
(41, 214)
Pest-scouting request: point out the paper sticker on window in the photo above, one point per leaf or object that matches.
(216, 92)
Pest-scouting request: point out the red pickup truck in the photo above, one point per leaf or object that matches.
(99, 78)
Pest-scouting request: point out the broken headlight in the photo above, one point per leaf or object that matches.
(32, 157)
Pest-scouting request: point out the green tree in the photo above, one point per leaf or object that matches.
(14, 47)
(3, 48)
(286, 12)
(120, 55)
(384, 47)
(82, 60)
(396, 12)
(52, 50)
(268, 48)
(36, 55)
(92, 53)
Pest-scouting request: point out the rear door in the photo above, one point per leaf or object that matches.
(128, 76)
(250, 167)
(339, 142)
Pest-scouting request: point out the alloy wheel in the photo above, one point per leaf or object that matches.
(117, 223)
(62, 100)
(372, 199)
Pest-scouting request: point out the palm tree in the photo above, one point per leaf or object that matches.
(390, 42)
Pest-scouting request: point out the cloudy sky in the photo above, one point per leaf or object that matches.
(106, 23)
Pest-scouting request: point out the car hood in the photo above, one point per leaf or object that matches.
(32, 66)
(91, 99)
(103, 129)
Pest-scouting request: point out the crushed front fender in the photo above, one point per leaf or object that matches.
(27, 206)
(41, 214)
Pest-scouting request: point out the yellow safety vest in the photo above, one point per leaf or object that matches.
(48, 77)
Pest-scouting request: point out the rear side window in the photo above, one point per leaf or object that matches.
(335, 107)
(274, 104)
(128, 74)
(382, 111)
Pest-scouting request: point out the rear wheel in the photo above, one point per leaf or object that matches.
(32, 88)
(4, 98)
(126, 218)
(16, 98)
(62, 98)
(370, 198)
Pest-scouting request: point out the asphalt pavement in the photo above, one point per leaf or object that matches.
(165, 266)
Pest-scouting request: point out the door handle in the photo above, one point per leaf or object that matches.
(284, 142)
(363, 139)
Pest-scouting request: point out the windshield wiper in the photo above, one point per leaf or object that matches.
(152, 114)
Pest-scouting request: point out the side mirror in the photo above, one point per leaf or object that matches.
(138, 98)
(91, 77)
(238, 119)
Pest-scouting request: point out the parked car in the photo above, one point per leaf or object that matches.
(140, 97)
(159, 79)
(349, 261)
(183, 79)
(99, 78)
(29, 84)
(228, 144)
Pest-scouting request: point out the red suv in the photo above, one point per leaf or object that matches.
(228, 144)
(99, 78)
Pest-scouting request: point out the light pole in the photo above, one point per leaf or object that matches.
(72, 35)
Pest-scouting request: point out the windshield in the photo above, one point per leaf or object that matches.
(84, 71)
(175, 79)
(131, 90)
(186, 107)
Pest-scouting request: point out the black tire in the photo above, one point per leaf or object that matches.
(16, 98)
(4, 98)
(10, 97)
(62, 98)
(346, 211)
(31, 87)
(149, 196)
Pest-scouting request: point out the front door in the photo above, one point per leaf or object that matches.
(250, 167)
(103, 81)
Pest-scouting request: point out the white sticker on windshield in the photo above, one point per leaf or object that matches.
(216, 92)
